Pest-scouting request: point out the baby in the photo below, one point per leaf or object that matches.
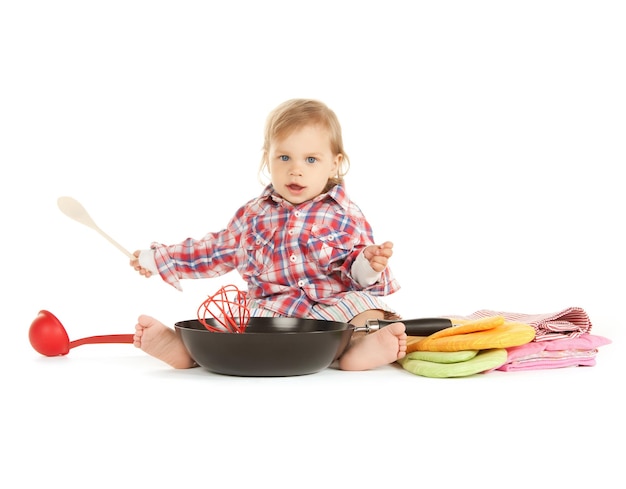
(304, 249)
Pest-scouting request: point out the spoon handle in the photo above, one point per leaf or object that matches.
(114, 243)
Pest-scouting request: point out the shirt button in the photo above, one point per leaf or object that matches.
(290, 232)
(300, 283)
(293, 258)
(297, 213)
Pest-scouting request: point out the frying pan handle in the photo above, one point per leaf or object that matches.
(415, 327)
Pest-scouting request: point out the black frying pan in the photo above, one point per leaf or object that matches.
(281, 347)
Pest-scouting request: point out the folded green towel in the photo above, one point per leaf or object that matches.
(442, 364)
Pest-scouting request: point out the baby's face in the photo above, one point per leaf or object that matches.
(301, 163)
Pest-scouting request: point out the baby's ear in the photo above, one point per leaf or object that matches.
(266, 161)
(336, 164)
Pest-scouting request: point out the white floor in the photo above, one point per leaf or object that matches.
(109, 415)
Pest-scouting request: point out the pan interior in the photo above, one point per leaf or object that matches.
(261, 325)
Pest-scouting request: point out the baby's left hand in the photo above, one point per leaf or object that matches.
(378, 255)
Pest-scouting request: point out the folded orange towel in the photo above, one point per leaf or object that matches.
(464, 326)
(480, 334)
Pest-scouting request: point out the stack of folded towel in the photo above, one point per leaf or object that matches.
(490, 340)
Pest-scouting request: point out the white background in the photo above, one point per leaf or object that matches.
(487, 142)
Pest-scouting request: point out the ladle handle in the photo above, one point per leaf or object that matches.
(109, 338)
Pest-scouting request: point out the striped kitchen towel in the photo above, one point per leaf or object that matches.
(568, 323)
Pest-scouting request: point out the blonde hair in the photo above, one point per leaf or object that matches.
(295, 114)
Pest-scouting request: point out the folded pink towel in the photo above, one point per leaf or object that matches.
(579, 359)
(565, 352)
(568, 323)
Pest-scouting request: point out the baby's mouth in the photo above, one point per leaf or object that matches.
(295, 187)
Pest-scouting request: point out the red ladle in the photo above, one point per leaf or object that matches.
(48, 336)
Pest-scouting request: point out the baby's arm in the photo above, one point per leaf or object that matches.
(371, 262)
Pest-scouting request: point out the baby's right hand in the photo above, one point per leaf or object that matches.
(378, 255)
(134, 262)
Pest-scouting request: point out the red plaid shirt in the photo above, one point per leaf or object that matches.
(291, 257)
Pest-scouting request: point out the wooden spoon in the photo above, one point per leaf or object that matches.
(74, 209)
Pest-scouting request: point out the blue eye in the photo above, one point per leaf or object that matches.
(284, 158)
(311, 159)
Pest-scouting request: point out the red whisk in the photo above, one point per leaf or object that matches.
(228, 306)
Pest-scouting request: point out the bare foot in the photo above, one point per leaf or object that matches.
(373, 350)
(161, 342)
